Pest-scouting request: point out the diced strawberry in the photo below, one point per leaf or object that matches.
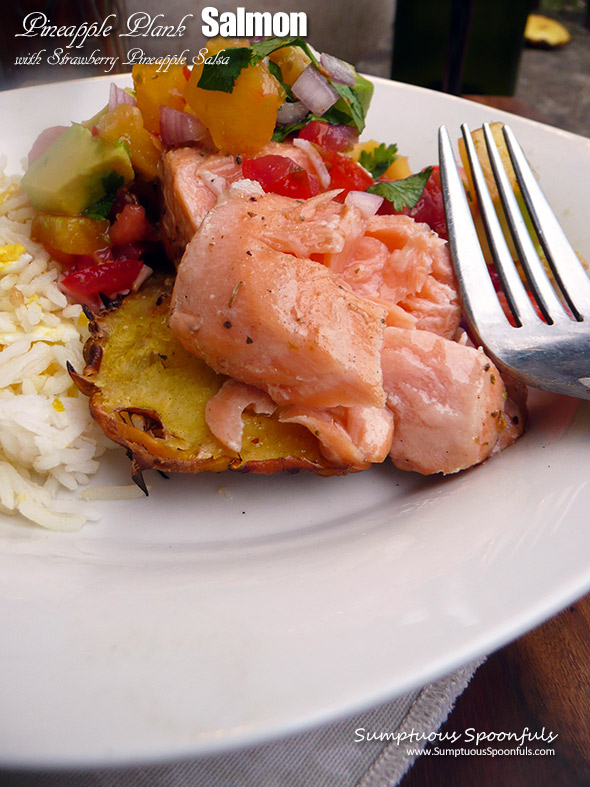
(281, 175)
(131, 226)
(328, 136)
(346, 174)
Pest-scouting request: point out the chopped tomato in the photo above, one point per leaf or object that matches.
(281, 175)
(128, 251)
(329, 136)
(346, 174)
(110, 278)
(429, 208)
(131, 226)
(96, 258)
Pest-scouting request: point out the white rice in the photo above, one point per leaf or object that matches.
(49, 443)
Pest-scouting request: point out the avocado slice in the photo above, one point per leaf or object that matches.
(69, 176)
(364, 91)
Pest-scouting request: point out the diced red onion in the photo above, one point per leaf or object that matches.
(291, 112)
(177, 128)
(313, 51)
(367, 203)
(339, 70)
(316, 159)
(143, 274)
(314, 90)
(119, 96)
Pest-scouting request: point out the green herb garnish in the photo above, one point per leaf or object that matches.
(402, 193)
(223, 77)
(278, 75)
(100, 209)
(379, 159)
(349, 104)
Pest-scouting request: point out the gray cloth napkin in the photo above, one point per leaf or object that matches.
(364, 750)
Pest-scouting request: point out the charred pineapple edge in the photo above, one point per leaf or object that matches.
(146, 452)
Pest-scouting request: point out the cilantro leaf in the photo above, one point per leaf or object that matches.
(402, 193)
(112, 182)
(222, 76)
(350, 105)
(278, 75)
(379, 159)
(353, 104)
(100, 209)
(261, 49)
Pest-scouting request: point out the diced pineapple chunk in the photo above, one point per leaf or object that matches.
(292, 61)
(242, 121)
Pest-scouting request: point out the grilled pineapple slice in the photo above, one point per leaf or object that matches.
(149, 395)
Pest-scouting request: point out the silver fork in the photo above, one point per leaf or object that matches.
(550, 352)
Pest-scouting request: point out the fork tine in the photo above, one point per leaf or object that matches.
(479, 297)
(514, 289)
(569, 272)
(539, 282)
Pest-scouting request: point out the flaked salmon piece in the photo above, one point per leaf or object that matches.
(448, 401)
(352, 436)
(276, 320)
(308, 228)
(435, 308)
(193, 178)
(223, 412)
(401, 263)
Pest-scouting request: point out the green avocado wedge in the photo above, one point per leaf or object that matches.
(69, 176)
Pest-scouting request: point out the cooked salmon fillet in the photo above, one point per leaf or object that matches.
(353, 436)
(191, 179)
(249, 303)
(405, 266)
(448, 401)
(223, 411)
(345, 324)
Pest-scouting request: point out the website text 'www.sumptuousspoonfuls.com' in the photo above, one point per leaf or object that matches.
(486, 751)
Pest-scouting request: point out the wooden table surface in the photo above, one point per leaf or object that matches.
(540, 680)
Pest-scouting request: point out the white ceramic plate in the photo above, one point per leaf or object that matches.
(228, 609)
